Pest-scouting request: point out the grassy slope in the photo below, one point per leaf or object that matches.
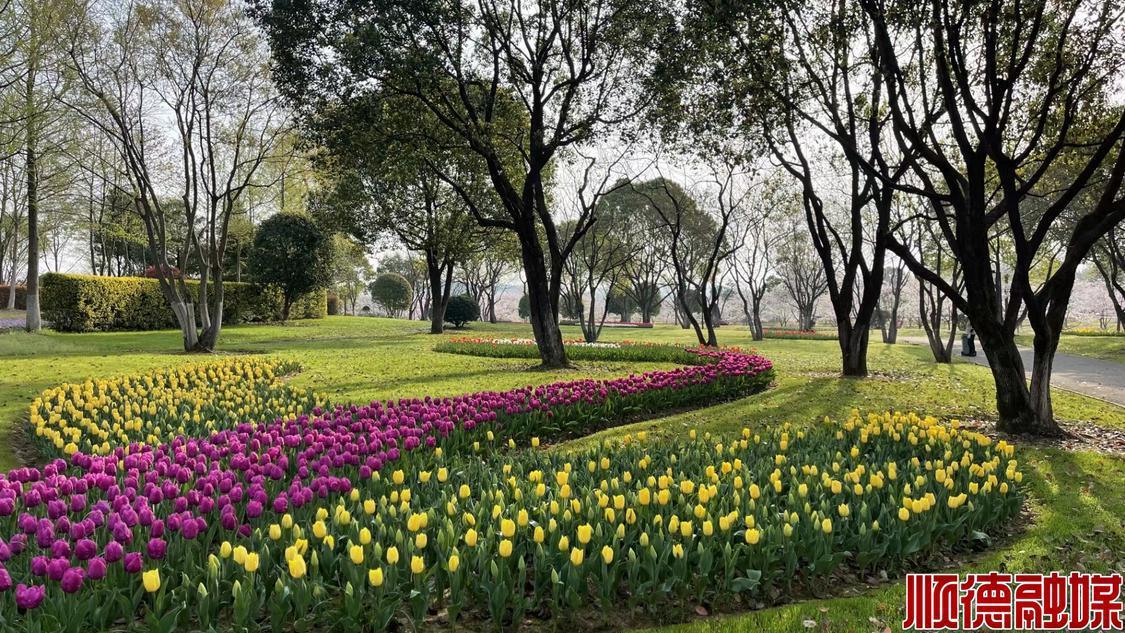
(1078, 496)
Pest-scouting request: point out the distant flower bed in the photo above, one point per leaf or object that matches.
(1089, 331)
(94, 533)
(781, 333)
(623, 351)
(98, 416)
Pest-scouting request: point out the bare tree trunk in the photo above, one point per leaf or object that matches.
(542, 311)
(34, 323)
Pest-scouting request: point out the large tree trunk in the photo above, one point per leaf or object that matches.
(543, 312)
(1019, 409)
(440, 288)
(853, 348)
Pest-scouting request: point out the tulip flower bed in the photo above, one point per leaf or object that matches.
(624, 351)
(362, 515)
(84, 539)
(194, 400)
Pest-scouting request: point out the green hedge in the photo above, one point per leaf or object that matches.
(88, 303)
(21, 297)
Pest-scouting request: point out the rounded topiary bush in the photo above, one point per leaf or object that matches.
(461, 310)
(392, 292)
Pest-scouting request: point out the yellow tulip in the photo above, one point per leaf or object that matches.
(507, 528)
(151, 580)
(585, 531)
(275, 532)
(251, 563)
(392, 555)
(577, 556)
(420, 540)
(471, 537)
(297, 567)
(753, 536)
(454, 562)
(826, 525)
(375, 577)
(417, 564)
(505, 548)
(355, 552)
(607, 554)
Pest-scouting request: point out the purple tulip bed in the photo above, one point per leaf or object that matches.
(123, 539)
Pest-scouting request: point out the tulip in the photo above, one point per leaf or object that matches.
(28, 598)
(417, 565)
(576, 556)
(297, 567)
(151, 580)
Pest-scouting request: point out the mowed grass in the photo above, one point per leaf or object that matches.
(1110, 347)
(1077, 497)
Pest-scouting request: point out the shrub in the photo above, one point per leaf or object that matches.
(21, 297)
(524, 308)
(392, 292)
(333, 305)
(291, 253)
(88, 303)
(461, 310)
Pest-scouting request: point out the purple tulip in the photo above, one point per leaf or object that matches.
(114, 552)
(133, 562)
(96, 568)
(5, 579)
(72, 580)
(28, 598)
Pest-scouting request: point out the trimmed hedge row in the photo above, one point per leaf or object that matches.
(88, 303)
(21, 296)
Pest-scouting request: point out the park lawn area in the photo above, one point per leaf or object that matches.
(1110, 347)
(1077, 497)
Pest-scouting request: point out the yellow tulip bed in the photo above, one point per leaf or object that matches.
(97, 416)
(636, 524)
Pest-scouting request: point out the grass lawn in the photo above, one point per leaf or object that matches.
(1078, 497)
(1104, 347)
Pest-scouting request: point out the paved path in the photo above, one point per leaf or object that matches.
(1089, 376)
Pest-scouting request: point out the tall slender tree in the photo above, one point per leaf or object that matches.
(565, 68)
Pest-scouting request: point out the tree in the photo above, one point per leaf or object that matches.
(1109, 260)
(523, 309)
(886, 313)
(1007, 119)
(393, 293)
(598, 261)
(932, 302)
(699, 240)
(755, 261)
(36, 71)
(497, 255)
(415, 271)
(645, 273)
(461, 310)
(293, 254)
(565, 69)
(621, 303)
(388, 181)
(350, 270)
(198, 67)
(802, 276)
